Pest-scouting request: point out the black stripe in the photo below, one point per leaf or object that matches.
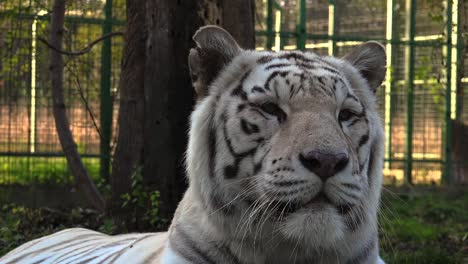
(239, 90)
(352, 97)
(231, 171)
(248, 128)
(212, 151)
(351, 186)
(265, 59)
(240, 107)
(306, 66)
(185, 244)
(354, 122)
(287, 183)
(296, 56)
(370, 165)
(277, 65)
(229, 143)
(271, 77)
(257, 167)
(364, 139)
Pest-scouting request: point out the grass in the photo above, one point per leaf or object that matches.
(27, 170)
(418, 225)
(424, 225)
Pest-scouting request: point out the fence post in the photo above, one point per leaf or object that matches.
(270, 34)
(448, 98)
(389, 82)
(459, 59)
(409, 81)
(106, 100)
(331, 27)
(301, 26)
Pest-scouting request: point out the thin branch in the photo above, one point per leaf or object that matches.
(84, 50)
(85, 102)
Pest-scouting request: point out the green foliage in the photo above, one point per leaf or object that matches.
(19, 224)
(142, 204)
(424, 225)
(427, 71)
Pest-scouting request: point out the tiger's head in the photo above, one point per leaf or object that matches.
(286, 141)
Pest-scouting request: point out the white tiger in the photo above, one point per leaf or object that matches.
(284, 165)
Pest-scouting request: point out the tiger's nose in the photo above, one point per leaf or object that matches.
(324, 165)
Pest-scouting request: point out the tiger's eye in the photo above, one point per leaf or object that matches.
(345, 115)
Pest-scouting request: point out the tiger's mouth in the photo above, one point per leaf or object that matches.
(317, 203)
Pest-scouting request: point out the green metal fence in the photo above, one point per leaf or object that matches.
(422, 97)
(421, 103)
(29, 148)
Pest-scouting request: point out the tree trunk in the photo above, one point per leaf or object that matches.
(77, 168)
(156, 92)
(169, 97)
(129, 150)
(238, 17)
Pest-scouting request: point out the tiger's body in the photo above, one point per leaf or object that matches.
(284, 165)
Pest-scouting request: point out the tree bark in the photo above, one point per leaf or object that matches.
(78, 170)
(238, 18)
(168, 97)
(129, 150)
(156, 91)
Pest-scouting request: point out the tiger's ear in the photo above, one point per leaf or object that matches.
(370, 60)
(215, 49)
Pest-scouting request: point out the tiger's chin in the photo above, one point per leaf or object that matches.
(317, 226)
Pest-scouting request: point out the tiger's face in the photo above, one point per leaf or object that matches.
(290, 137)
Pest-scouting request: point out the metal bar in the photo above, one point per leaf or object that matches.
(331, 27)
(459, 61)
(106, 99)
(42, 154)
(281, 29)
(395, 41)
(277, 29)
(389, 82)
(409, 78)
(446, 179)
(33, 108)
(71, 19)
(269, 33)
(301, 26)
(416, 160)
